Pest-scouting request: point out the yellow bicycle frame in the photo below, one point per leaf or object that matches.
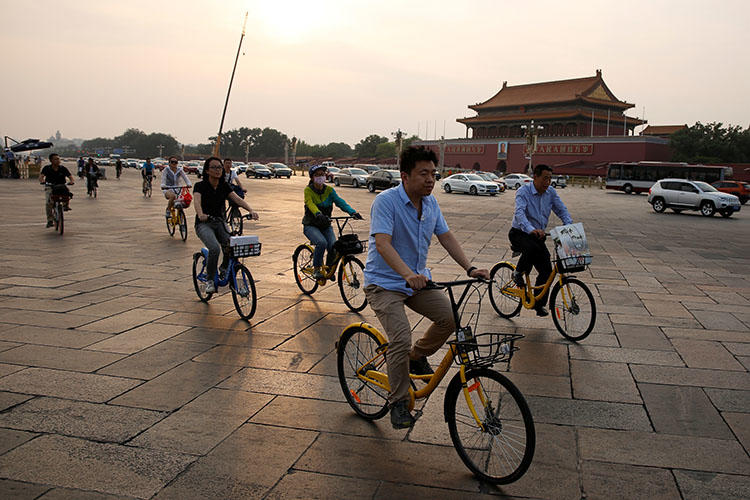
(527, 295)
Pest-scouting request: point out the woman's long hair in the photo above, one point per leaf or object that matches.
(204, 174)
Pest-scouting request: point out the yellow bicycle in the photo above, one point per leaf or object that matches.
(488, 418)
(571, 302)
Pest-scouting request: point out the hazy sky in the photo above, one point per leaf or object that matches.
(338, 71)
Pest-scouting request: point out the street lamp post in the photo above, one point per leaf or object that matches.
(532, 133)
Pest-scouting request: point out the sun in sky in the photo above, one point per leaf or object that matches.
(292, 21)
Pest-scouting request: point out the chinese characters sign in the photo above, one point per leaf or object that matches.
(564, 149)
(467, 149)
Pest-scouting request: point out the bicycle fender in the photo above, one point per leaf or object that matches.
(456, 380)
(296, 250)
(369, 328)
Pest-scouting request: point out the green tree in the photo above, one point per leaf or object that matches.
(337, 150)
(385, 150)
(711, 143)
(366, 148)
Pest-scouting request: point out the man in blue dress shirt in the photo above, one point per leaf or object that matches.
(534, 202)
(402, 222)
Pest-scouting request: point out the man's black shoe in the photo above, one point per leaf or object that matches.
(400, 416)
(420, 366)
(541, 311)
(50, 223)
(518, 279)
(67, 209)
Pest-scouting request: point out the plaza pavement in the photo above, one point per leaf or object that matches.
(116, 382)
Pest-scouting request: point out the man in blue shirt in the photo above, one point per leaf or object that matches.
(147, 172)
(403, 220)
(534, 202)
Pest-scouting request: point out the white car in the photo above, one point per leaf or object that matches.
(515, 181)
(682, 194)
(469, 183)
(239, 166)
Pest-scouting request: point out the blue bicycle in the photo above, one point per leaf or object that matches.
(237, 276)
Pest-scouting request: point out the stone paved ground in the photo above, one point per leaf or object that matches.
(116, 382)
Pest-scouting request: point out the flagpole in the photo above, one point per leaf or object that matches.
(217, 145)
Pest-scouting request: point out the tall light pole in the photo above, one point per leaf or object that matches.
(399, 135)
(217, 144)
(161, 148)
(532, 132)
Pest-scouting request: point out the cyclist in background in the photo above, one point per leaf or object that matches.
(147, 172)
(54, 174)
(316, 224)
(92, 174)
(172, 180)
(210, 195)
(81, 167)
(118, 167)
(233, 179)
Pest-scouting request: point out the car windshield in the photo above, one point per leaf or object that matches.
(473, 177)
(706, 188)
(490, 176)
(357, 171)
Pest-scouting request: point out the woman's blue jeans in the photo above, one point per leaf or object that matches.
(322, 239)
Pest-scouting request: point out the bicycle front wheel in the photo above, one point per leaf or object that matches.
(234, 220)
(357, 352)
(573, 309)
(303, 269)
(243, 292)
(199, 276)
(501, 449)
(501, 277)
(182, 221)
(352, 282)
(59, 218)
(170, 225)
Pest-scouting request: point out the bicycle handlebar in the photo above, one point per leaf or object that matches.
(439, 285)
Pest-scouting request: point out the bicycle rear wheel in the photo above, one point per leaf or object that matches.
(501, 277)
(234, 219)
(303, 269)
(573, 309)
(501, 450)
(352, 282)
(170, 225)
(182, 223)
(356, 348)
(243, 292)
(199, 277)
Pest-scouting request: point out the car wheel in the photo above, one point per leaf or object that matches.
(355, 183)
(628, 189)
(447, 188)
(371, 187)
(726, 213)
(658, 205)
(707, 209)
(336, 181)
(554, 185)
(743, 200)
(473, 190)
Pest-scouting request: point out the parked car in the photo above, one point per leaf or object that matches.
(367, 167)
(559, 181)
(239, 167)
(383, 179)
(490, 177)
(131, 163)
(280, 170)
(354, 176)
(515, 181)
(331, 171)
(192, 167)
(682, 194)
(258, 171)
(740, 189)
(469, 183)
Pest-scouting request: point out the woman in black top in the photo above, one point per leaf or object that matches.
(209, 197)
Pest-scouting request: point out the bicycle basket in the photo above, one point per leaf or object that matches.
(349, 244)
(573, 264)
(184, 199)
(244, 246)
(484, 349)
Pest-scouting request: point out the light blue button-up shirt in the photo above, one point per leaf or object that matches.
(394, 214)
(533, 208)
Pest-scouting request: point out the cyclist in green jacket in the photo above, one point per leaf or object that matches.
(319, 201)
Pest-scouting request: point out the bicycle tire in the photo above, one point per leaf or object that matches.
(303, 263)
(182, 221)
(564, 317)
(505, 306)
(170, 225)
(505, 424)
(60, 218)
(234, 219)
(243, 292)
(94, 191)
(356, 346)
(199, 277)
(352, 282)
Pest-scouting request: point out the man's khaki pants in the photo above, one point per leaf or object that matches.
(389, 308)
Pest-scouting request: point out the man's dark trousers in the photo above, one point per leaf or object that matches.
(533, 253)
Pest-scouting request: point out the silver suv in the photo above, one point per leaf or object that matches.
(682, 194)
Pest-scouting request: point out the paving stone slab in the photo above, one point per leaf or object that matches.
(10, 439)
(387, 491)
(59, 337)
(185, 431)
(6, 369)
(212, 336)
(729, 400)
(36, 293)
(60, 358)
(259, 358)
(642, 337)
(542, 359)
(9, 399)
(98, 422)
(126, 320)
(245, 465)
(71, 494)
(176, 387)
(665, 308)
(603, 382)
(69, 385)
(47, 305)
(715, 320)
(16, 490)
(670, 375)
(40, 318)
(540, 385)
(33, 281)
(705, 354)
(625, 355)
(662, 321)
(208, 321)
(740, 425)
(138, 338)
(302, 385)
(76, 463)
(307, 485)
(663, 450)
(588, 413)
(701, 334)
(155, 360)
(601, 481)
(290, 321)
(702, 485)
(685, 411)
